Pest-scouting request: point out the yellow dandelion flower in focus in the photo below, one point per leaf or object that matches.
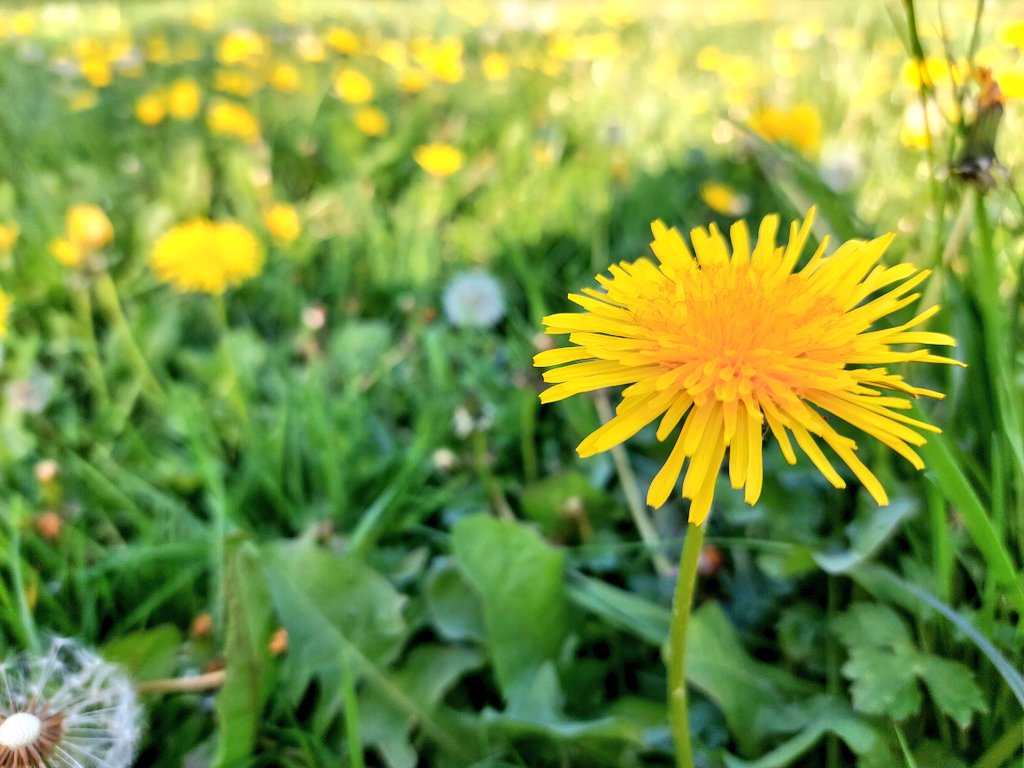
(371, 121)
(88, 226)
(151, 108)
(183, 99)
(204, 256)
(9, 234)
(282, 222)
(723, 199)
(735, 343)
(66, 253)
(353, 86)
(226, 118)
(439, 160)
(799, 126)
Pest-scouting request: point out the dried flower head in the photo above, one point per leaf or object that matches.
(737, 342)
(66, 709)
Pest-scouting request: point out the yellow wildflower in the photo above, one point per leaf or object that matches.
(206, 256)
(9, 234)
(88, 227)
(1012, 33)
(799, 126)
(309, 48)
(66, 253)
(738, 343)
(438, 159)
(285, 77)
(353, 86)
(96, 70)
(151, 108)
(371, 121)
(723, 199)
(240, 46)
(235, 82)
(282, 222)
(183, 99)
(495, 66)
(226, 118)
(413, 80)
(342, 40)
(5, 312)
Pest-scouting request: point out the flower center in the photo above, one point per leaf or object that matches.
(20, 730)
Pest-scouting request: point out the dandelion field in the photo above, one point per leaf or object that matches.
(280, 437)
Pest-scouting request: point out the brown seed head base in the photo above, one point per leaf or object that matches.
(35, 755)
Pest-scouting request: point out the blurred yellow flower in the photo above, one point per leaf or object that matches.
(443, 59)
(183, 99)
(799, 126)
(342, 40)
(495, 66)
(282, 222)
(353, 86)
(151, 108)
(206, 256)
(23, 24)
(439, 160)
(1012, 33)
(235, 82)
(227, 118)
(96, 70)
(9, 234)
(310, 48)
(934, 71)
(590, 47)
(920, 126)
(413, 80)
(5, 312)
(240, 46)
(371, 121)
(83, 100)
(66, 253)
(391, 52)
(88, 227)
(723, 199)
(285, 77)
(157, 49)
(1011, 81)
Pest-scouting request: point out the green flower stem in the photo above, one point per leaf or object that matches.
(18, 516)
(235, 394)
(678, 709)
(106, 295)
(83, 311)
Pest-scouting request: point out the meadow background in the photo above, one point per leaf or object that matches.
(333, 491)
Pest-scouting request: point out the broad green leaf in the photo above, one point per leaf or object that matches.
(544, 501)
(740, 686)
(630, 613)
(867, 536)
(827, 715)
(884, 683)
(353, 597)
(241, 698)
(519, 579)
(149, 654)
(952, 688)
(452, 605)
(428, 673)
(871, 625)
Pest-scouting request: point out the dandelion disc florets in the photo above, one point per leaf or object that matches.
(66, 709)
(732, 345)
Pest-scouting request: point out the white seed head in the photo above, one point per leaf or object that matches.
(474, 300)
(20, 730)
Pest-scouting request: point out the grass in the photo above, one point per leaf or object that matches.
(322, 450)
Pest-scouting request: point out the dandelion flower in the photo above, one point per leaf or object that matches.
(67, 709)
(799, 126)
(226, 118)
(88, 226)
(206, 256)
(371, 121)
(737, 343)
(151, 108)
(9, 234)
(282, 222)
(5, 310)
(183, 99)
(66, 252)
(474, 300)
(438, 160)
(353, 86)
(723, 199)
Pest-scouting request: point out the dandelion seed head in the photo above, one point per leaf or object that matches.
(474, 300)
